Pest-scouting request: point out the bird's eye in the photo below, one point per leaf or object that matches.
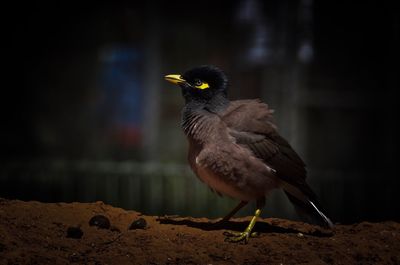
(198, 82)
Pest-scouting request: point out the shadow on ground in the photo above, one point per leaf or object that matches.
(260, 227)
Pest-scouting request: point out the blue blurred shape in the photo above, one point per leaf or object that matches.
(121, 92)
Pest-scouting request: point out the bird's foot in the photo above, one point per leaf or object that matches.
(239, 237)
(243, 237)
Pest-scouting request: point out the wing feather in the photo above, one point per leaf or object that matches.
(251, 125)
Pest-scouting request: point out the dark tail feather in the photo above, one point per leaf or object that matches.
(310, 210)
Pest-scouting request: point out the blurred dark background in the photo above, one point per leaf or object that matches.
(86, 114)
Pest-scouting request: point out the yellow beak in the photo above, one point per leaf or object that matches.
(174, 79)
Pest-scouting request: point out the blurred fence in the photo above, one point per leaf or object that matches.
(152, 188)
(158, 189)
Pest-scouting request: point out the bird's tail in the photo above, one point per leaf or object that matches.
(307, 206)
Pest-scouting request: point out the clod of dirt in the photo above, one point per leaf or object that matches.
(138, 224)
(100, 221)
(74, 232)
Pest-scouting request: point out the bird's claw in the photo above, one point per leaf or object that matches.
(236, 237)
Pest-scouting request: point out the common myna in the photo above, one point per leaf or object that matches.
(235, 148)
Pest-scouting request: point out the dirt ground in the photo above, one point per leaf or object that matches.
(37, 233)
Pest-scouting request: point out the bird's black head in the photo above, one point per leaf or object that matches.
(202, 84)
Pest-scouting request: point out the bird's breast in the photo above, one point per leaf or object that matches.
(217, 180)
(219, 184)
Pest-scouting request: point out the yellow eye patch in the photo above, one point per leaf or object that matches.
(203, 85)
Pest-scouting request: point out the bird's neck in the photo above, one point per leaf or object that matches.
(200, 119)
(216, 104)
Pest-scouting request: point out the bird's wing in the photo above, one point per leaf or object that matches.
(251, 125)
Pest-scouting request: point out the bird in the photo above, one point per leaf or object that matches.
(235, 148)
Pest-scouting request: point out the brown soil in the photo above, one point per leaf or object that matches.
(36, 233)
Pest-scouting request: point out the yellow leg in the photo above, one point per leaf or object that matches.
(246, 234)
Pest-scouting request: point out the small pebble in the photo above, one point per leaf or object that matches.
(100, 221)
(74, 232)
(138, 224)
(300, 235)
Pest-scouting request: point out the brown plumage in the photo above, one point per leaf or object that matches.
(214, 137)
(235, 148)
